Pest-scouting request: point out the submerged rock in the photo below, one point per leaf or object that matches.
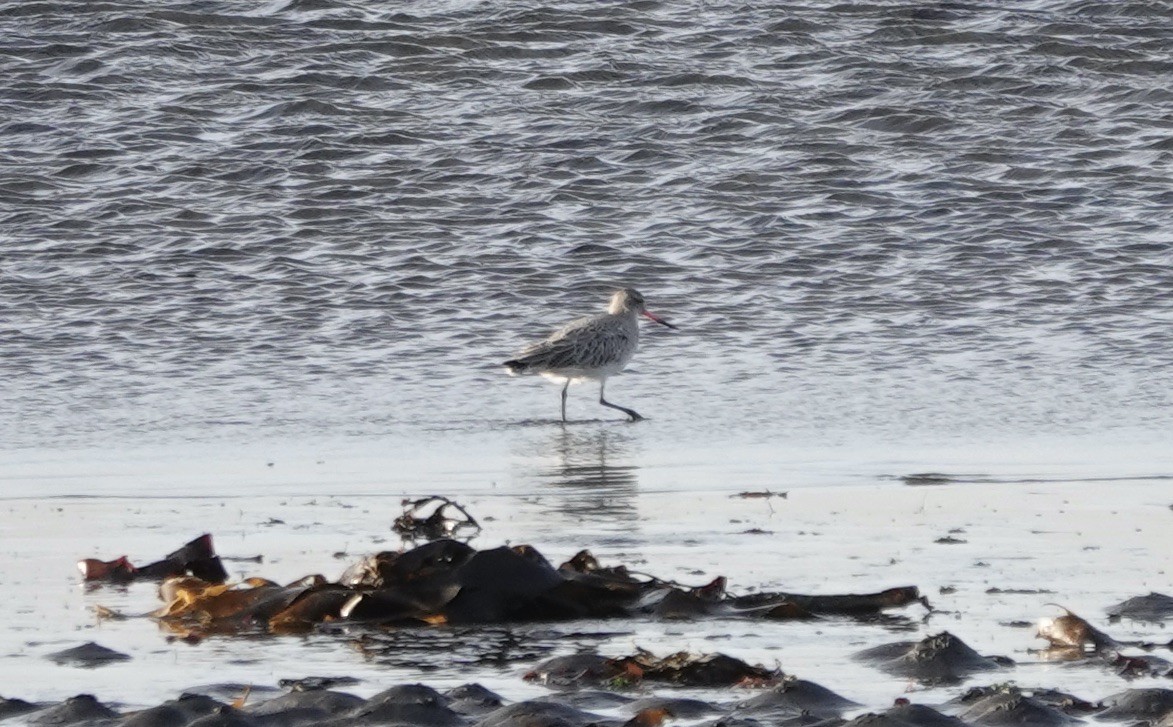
(680, 708)
(941, 658)
(573, 670)
(210, 697)
(163, 715)
(305, 684)
(1139, 665)
(850, 604)
(539, 714)
(906, 714)
(1139, 704)
(1006, 705)
(796, 697)
(919, 715)
(13, 707)
(790, 703)
(226, 717)
(1014, 708)
(174, 713)
(1066, 703)
(473, 699)
(75, 710)
(1154, 607)
(409, 694)
(682, 669)
(87, 656)
(592, 700)
(326, 701)
(409, 704)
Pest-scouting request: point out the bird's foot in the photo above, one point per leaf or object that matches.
(634, 417)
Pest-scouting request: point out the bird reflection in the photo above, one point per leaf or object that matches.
(591, 472)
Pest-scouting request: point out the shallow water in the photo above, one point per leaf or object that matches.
(873, 221)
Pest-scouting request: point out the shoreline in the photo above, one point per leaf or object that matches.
(520, 460)
(1056, 539)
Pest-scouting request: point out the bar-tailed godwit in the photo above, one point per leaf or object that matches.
(590, 348)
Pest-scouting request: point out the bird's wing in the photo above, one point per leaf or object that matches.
(585, 343)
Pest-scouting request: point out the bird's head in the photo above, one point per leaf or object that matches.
(631, 300)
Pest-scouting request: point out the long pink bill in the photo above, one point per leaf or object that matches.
(659, 320)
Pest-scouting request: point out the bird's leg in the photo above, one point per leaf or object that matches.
(564, 388)
(635, 417)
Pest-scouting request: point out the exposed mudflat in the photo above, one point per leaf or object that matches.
(990, 557)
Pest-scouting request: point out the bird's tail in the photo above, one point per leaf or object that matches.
(515, 367)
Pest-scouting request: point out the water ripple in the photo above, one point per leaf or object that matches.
(859, 213)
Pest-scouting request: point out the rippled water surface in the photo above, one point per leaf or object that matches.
(888, 221)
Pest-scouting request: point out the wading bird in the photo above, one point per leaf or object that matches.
(590, 348)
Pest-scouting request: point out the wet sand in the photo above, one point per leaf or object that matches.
(989, 556)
